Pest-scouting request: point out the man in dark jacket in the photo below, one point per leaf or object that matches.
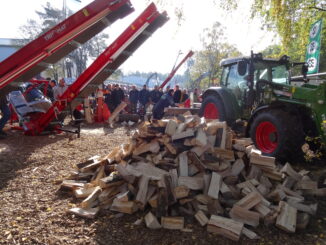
(144, 96)
(165, 101)
(117, 95)
(143, 100)
(177, 94)
(108, 99)
(155, 95)
(133, 98)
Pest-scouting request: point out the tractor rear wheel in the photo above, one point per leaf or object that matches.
(212, 108)
(277, 133)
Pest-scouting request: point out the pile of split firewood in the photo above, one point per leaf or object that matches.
(188, 166)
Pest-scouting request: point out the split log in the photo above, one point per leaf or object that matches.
(250, 234)
(264, 162)
(125, 173)
(185, 134)
(215, 185)
(245, 216)
(70, 185)
(201, 218)
(83, 192)
(108, 193)
(310, 209)
(262, 210)
(202, 198)
(174, 178)
(193, 183)
(116, 112)
(87, 203)
(287, 219)
(181, 192)
(201, 138)
(123, 197)
(142, 192)
(153, 147)
(213, 126)
(183, 164)
(307, 185)
(237, 167)
(287, 168)
(196, 161)
(172, 223)
(221, 136)
(89, 213)
(224, 154)
(171, 127)
(151, 221)
(250, 200)
(124, 207)
(141, 168)
(110, 181)
(226, 227)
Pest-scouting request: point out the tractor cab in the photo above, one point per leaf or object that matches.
(240, 76)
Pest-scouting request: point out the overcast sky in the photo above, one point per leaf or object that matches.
(159, 52)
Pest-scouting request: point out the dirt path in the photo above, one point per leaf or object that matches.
(32, 212)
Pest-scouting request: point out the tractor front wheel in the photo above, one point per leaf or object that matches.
(277, 133)
(213, 108)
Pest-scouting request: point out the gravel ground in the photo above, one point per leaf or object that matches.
(33, 212)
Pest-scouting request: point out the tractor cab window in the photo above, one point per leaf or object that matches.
(236, 83)
(280, 74)
(225, 74)
(234, 79)
(270, 71)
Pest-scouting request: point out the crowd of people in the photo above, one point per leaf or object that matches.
(138, 100)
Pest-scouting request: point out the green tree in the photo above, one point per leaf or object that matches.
(207, 61)
(272, 51)
(291, 20)
(49, 17)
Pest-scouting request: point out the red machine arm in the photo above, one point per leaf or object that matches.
(139, 31)
(176, 69)
(59, 41)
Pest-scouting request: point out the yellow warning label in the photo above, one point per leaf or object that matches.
(293, 90)
(85, 12)
(133, 27)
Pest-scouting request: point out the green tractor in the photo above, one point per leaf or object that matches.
(279, 114)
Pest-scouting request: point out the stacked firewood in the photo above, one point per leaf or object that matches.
(186, 166)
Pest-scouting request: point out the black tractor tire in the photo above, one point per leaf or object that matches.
(285, 143)
(212, 100)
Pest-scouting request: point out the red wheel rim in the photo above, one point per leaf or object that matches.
(211, 111)
(266, 137)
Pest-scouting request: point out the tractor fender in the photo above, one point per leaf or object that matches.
(227, 99)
